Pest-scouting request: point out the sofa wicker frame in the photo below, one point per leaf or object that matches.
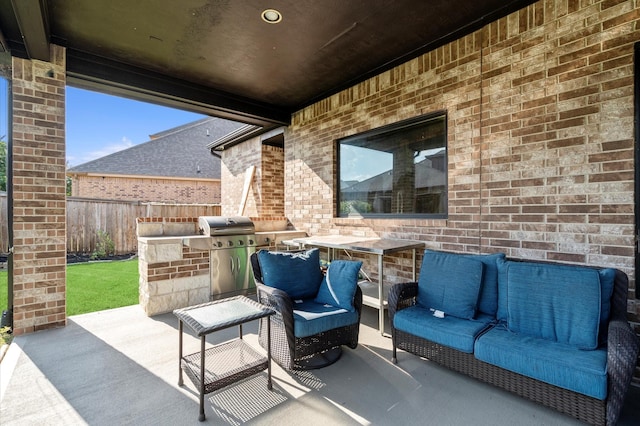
(622, 354)
(300, 353)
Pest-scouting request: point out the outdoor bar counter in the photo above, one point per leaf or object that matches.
(373, 294)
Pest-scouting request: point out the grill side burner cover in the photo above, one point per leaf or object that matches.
(225, 225)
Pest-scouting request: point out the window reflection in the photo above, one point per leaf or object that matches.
(396, 170)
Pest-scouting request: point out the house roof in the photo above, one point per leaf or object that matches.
(179, 152)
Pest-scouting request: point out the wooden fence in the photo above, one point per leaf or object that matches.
(85, 217)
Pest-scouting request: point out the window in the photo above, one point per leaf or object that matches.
(398, 170)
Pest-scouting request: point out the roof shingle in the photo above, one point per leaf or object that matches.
(178, 152)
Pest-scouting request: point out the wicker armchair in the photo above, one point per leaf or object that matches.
(300, 353)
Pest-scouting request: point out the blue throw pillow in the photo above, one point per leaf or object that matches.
(339, 285)
(296, 273)
(450, 282)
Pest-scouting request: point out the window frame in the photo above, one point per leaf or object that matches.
(388, 129)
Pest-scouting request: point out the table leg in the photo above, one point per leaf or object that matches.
(414, 265)
(202, 416)
(180, 381)
(269, 383)
(381, 294)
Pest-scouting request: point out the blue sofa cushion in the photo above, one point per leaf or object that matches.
(561, 365)
(488, 302)
(311, 318)
(296, 273)
(607, 278)
(450, 282)
(560, 303)
(339, 284)
(449, 331)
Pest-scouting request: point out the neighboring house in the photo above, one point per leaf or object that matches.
(376, 193)
(174, 166)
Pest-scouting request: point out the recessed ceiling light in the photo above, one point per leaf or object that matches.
(271, 16)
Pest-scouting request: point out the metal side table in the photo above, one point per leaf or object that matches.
(228, 362)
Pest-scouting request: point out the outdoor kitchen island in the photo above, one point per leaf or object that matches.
(373, 294)
(174, 262)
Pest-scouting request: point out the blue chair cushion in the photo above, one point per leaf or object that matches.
(560, 303)
(296, 273)
(449, 331)
(339, 284)
(561, 365)
(450, 282)
(311, 318)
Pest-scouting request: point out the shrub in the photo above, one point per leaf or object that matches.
(104, 247)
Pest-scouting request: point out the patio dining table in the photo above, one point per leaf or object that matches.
(373, 294)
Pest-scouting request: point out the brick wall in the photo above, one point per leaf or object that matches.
(266, 193)
(540, 139)
(171, 275)
(38, 142)
(147, 189)
(192, 263)
(271, 182)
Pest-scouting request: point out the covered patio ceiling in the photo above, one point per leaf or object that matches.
(219, 57)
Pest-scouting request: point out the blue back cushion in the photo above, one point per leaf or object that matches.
(339, 285)
(607, 278)
(296, 273)
(559, 303)
(450, 282)
(488, 302)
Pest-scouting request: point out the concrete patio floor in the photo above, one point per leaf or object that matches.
(120, 367)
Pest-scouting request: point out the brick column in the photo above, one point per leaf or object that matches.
(39, 203)
(272, 182)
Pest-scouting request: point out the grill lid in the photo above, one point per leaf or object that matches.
(225, 225)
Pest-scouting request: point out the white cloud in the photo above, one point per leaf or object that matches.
(101, 152)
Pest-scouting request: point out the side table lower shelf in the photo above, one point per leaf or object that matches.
(225, 364)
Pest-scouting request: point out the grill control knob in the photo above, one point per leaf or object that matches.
(251, 242)
(230, 243)
(219, 244)
(240, 242)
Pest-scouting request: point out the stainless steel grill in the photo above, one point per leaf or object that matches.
(232, 241)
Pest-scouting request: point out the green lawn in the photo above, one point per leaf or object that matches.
(93, 286)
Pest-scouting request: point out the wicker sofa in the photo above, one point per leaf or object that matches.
(554, 333)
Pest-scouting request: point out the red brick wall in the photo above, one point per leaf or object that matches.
(147, 189)
(39, 207)
(193, 262)
(266, 194)
(272, 182)
(540, 143)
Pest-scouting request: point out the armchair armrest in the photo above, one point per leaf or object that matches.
(401, 296)
(275, 298)
(280, 302)
(622, 354)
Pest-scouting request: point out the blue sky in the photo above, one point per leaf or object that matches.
(99, 124)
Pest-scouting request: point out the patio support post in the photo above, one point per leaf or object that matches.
(39, 192)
